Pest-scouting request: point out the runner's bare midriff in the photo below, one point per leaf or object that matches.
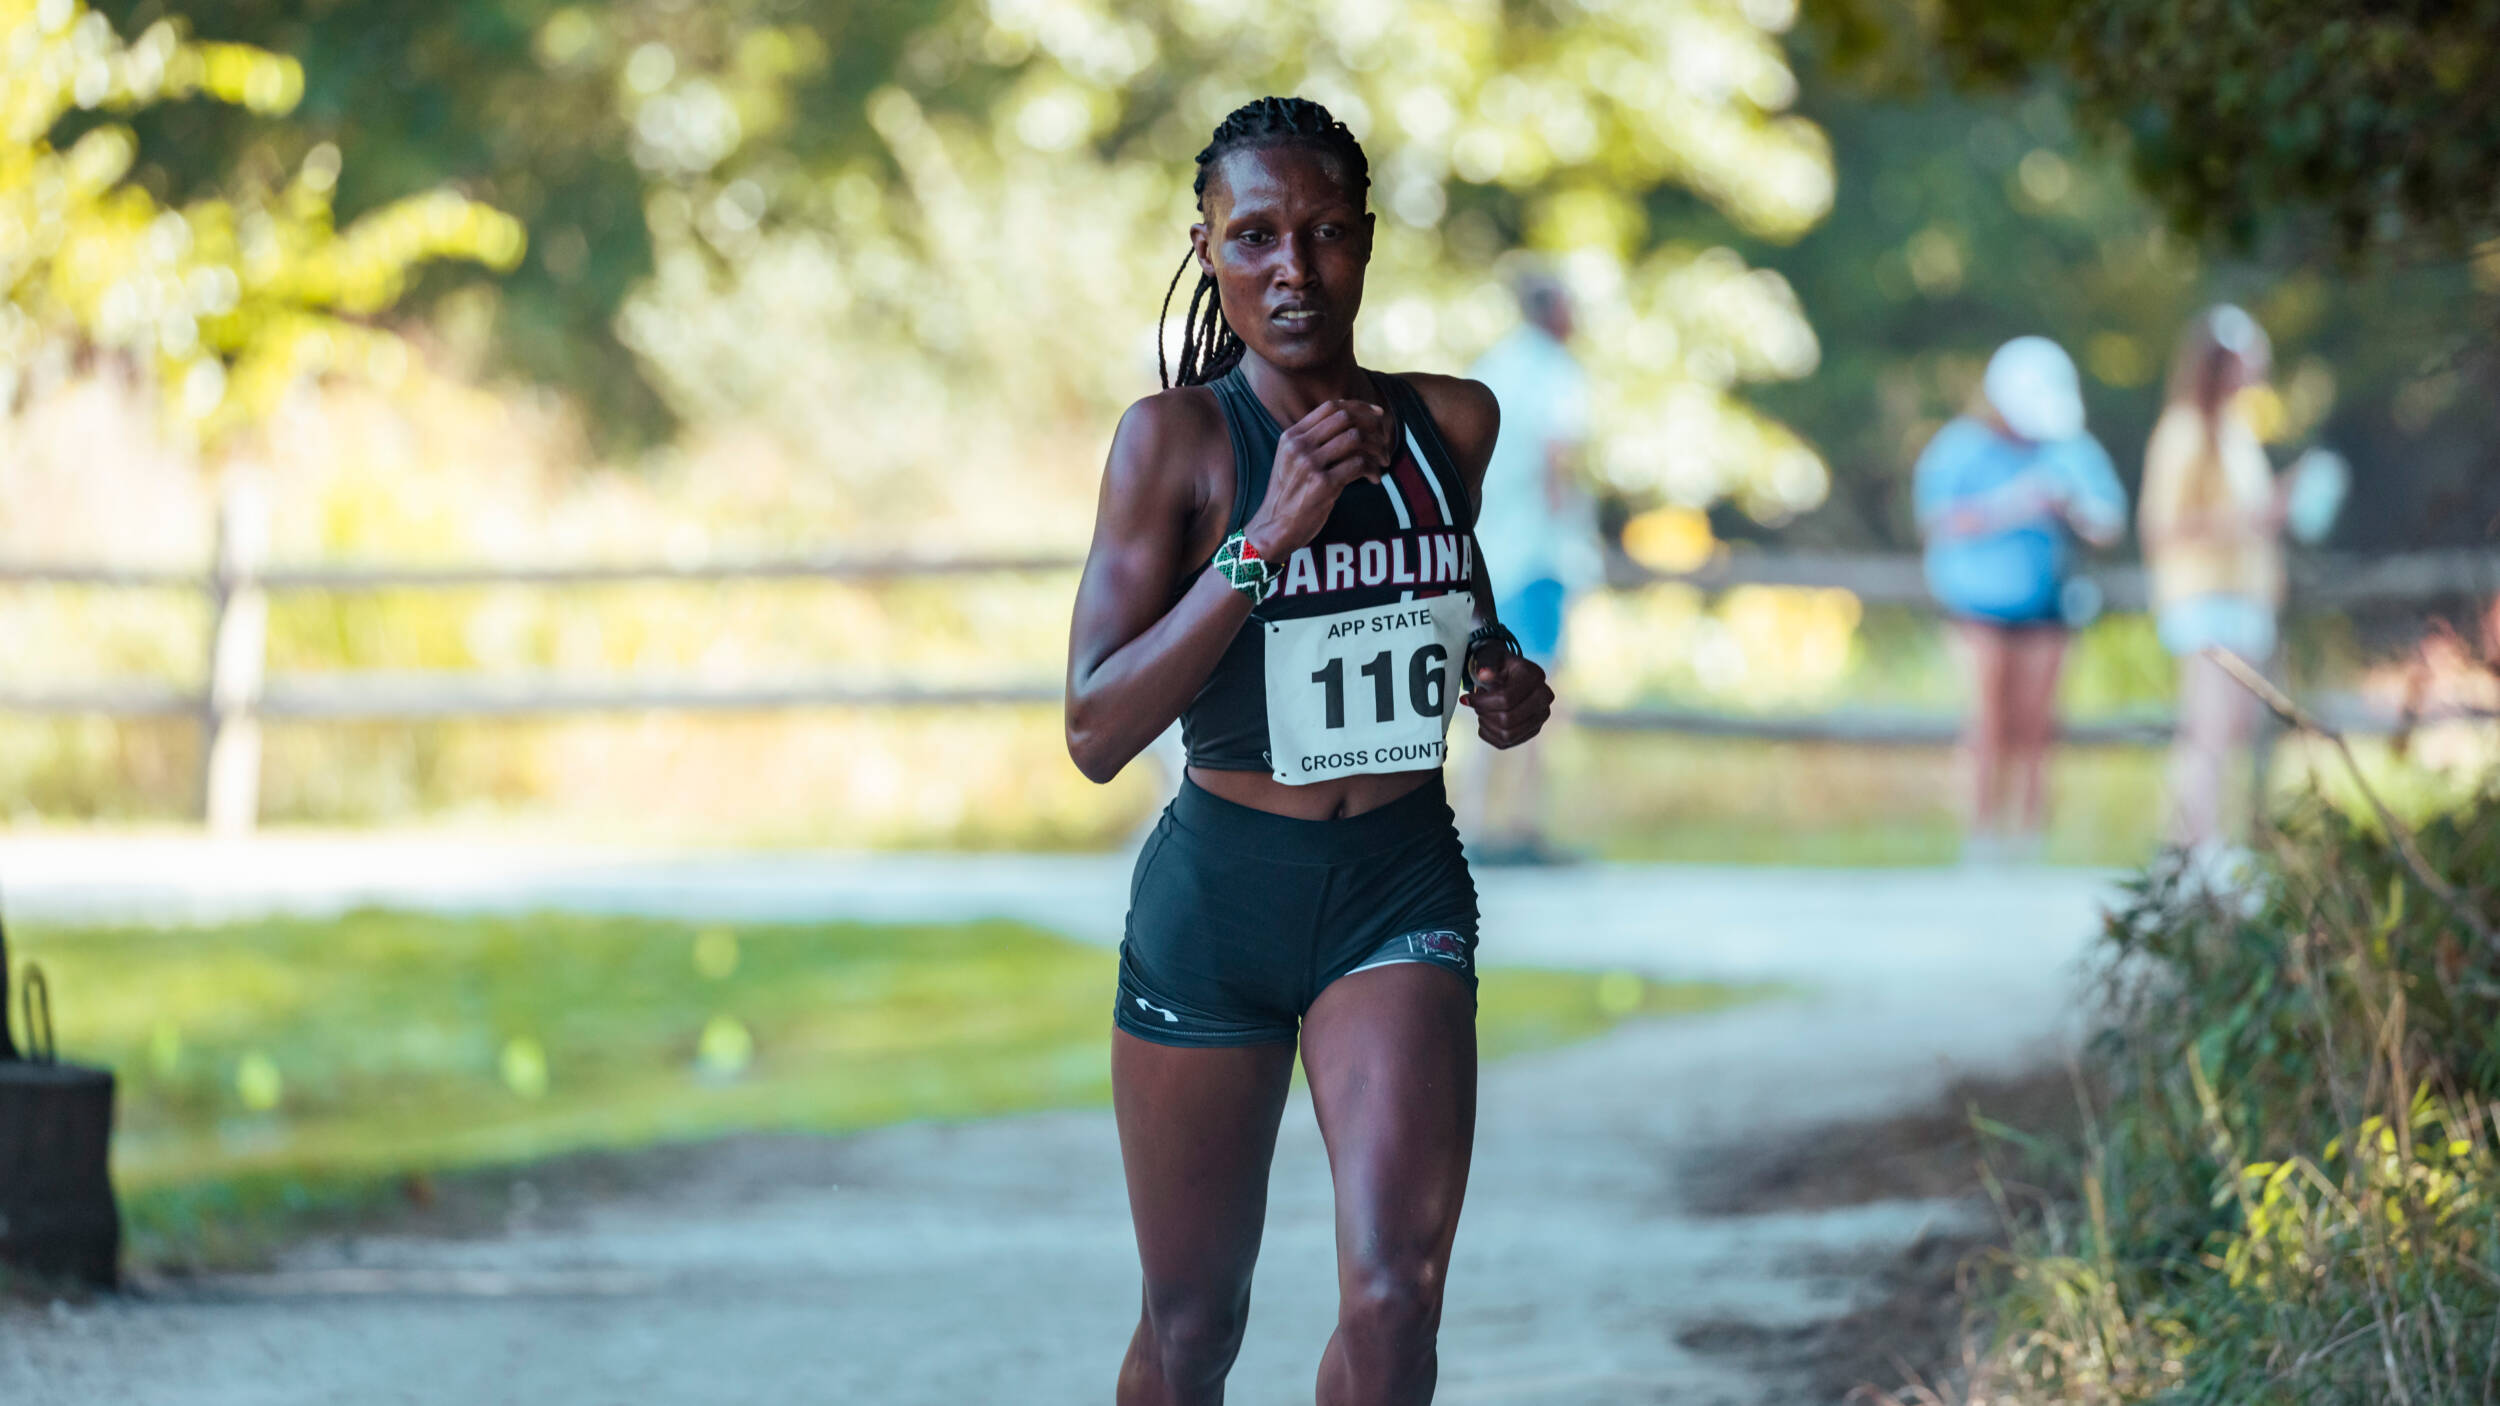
(1319, 800)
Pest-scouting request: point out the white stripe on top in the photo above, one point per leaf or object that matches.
(1432, 480)
(1397, 500)
(1397, 504)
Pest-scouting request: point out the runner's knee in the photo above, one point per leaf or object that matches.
(1394, 1307)
(1196, 1335)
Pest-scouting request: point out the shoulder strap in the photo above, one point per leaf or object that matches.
(1246, 424)
(1412, 411)
(1439, 461)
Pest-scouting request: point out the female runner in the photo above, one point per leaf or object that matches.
(1283, 560)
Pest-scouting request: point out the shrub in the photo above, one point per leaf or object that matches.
(2291, 1189)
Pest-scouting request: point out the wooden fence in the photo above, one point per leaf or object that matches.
(238, 694)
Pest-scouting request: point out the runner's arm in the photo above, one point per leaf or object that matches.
(1136, 657)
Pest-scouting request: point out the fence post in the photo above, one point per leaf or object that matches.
(238, 656)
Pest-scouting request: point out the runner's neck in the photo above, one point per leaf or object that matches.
(1290, 395)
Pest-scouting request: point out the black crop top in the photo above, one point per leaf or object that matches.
(1407, 539)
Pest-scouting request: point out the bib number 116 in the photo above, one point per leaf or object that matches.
(1365, 690)
(1427, 686)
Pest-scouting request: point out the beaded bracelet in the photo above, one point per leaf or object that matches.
(1243, 569)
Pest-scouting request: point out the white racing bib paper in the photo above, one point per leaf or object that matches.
(1366, 690)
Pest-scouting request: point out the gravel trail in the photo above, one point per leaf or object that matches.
(993, 1261)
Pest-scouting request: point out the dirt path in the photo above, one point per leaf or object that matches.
(992, 1261)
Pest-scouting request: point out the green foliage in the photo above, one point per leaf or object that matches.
(1964, 217)
(2340, 155)
(1031, 201)
(229, 300)
(820, 217)
(2377, 121)
(569, 117)
(274, 1068)
(2286, 1006)
(2293, 1191)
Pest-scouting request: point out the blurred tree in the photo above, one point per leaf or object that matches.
(1031, 198)
(227, 300)
(1494, 127)
(867, 231)
(1967, 216)
(2350, 148)
(567, 116)
(2382, 121)
(862, 155)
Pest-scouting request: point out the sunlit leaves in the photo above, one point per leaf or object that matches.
(1573, 114)
(1622, 96)
(979, 295)
(227, 302)
(60, 56)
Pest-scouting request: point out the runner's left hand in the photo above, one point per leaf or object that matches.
(1511, 699)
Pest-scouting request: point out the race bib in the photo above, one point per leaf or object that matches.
(1364, 690)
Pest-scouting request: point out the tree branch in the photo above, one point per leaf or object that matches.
(2297, 716)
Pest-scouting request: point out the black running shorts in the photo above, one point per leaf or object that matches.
(1238, 919)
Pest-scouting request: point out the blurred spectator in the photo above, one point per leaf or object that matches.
(1998, 492)
(1538, 533)
(2212, 520)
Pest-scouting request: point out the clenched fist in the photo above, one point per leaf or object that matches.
(1337, 443)
(1511, 698)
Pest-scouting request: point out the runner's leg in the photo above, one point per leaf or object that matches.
(1197, 1132)
(1391, 1054)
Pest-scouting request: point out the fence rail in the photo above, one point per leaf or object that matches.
(350, 577)
(237, 695)
(1892, 579)
(1898, 579)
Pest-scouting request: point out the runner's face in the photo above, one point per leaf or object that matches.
(1286, 244)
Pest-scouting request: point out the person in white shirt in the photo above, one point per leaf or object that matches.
(1538, 532)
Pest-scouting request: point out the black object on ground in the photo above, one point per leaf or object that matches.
(58, 1219)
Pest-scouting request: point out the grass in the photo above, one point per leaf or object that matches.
(1660, 797)
(1007, 786)
(277, 1069)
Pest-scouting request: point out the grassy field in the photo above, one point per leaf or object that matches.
(278, 1069)
(1697, 800)
(801, 783)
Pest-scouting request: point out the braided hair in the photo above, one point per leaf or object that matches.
(1209, 345)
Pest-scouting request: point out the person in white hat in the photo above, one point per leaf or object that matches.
(2001, 492)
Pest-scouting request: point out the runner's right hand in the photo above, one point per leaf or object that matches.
(1337, 443)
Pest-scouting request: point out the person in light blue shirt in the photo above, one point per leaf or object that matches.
(2002, 493)
(1537, 528)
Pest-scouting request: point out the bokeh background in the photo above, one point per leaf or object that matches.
(659, 288)
(654, 282)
